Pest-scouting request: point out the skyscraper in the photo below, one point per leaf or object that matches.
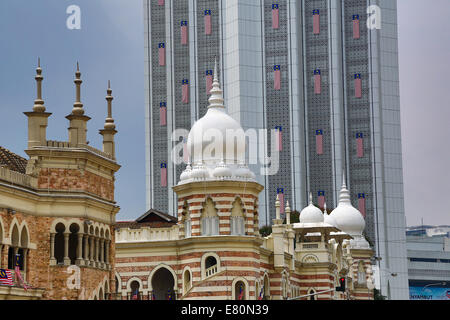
(322, 73)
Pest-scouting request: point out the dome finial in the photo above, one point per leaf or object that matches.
(310, 198)
(344, 185)
(216, 99)
(109, 122)
(325, 208)
(344, 195)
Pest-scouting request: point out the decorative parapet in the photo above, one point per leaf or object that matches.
(66, 144)
(17, 178)
(147, 234)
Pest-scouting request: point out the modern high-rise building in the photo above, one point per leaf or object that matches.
(322, 73)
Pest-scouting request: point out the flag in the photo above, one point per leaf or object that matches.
(184, 32)
(280, 192)
(160, 2)
(317, 82)
(207, 22)
(358, 86)
(356, 33)
(319, 141)
(6, 277)
(17, 271)
(169, 295)
(362, 204)
(279, 130)
(275, 16)
(163, 174)
(277, 77)
(162, 54)
(185, 91)
(185, 151)
(359, 145)
(261, 293)
(162, 114)
(241, 293)
(209, 81)
(316, 21)
(321, 198)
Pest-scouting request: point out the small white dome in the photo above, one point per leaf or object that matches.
(346, 217)
(199, 172)
(244, 172)
(186, 174)
(311, 214)
(222, 171)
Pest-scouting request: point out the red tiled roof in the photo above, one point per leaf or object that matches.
(12, 161)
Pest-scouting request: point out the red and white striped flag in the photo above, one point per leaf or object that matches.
(162, 54)
(317, 82)
(321, 199)
(184, 33)
(185, 91)
(358, 85)
(275, 16)
(209, 81)
(316, 21)
(280, 192)
(6, 277)
(319, 142)
(19, 276)
(362, 204)
(356, 33)
(185, 151)
(162, 114)
(208, 22)
(160, 2)
(279, 131)
(359, 145)
(277, 77)
(163, 174)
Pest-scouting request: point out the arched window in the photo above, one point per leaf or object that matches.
(135, 291)
(210, 266)
(312, 294)
(266, 288)
(13, 249)
(163, 283)
(239, 291)
(59, 243)
(210, 219)
(187, 281)
(237, 222)
(361, 273)
(73, 244)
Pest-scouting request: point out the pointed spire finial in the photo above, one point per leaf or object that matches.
(216, 99)
(39, 103)
(109, 123)
(344, 195)
(78, 106)
(310, 198)
(325, 208)
(343, 178)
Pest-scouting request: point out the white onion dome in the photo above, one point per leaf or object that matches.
(345, 216)
(199, 171)
(244, 172)
(208, 136)
(222, 171)
(311, 214)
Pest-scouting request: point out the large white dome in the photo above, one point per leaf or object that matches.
(311, 214)
(217, 144)
(345, 216)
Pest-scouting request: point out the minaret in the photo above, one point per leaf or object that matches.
(78, 121)
(38, 118)
(110, 128)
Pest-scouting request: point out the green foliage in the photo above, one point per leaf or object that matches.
(265, 231)
(377, 295)
(295, 217)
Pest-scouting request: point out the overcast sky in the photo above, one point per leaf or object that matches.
(109, 46)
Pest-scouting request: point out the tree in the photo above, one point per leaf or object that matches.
(377, 295)
(265, 231)
(295, 217)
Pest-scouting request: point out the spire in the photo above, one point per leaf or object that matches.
(325, 208)
(78, 106)
(310, 199)
(109, 123)
(216, 99)
(39, 103)
(344, 195)
(277, 208)
(288, 213)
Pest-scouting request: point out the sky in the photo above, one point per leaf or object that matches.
(110, 46)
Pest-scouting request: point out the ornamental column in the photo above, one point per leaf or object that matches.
(66, 249)
(52, 249)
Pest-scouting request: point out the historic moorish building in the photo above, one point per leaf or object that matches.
(214, 249)
(57, 208)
